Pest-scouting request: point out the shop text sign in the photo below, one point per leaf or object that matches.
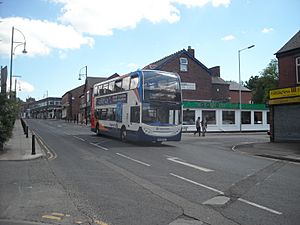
(285, 92)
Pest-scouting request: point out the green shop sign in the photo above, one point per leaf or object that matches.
(220, 105)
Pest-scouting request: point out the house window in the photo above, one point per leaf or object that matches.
(88, 96)
(183, 64)
(298, 70)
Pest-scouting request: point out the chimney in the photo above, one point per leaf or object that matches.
(191, 51)
(215, 71)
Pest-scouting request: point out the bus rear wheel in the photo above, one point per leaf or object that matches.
(123, 134)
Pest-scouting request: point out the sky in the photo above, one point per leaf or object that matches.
(121, 36)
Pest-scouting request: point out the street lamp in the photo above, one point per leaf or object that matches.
(85, 93)
(240, 85)
(82, 74)
(19, 43)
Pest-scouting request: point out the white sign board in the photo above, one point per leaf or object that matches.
(188, 86)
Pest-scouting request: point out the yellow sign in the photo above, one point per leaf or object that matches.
(284, 101)
(285, 92)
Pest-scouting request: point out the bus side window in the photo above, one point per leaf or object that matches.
(96, 90)
(125, 84)
(111, 87)
(134, 82)
(103, 114)
(105, 89)
(100, 90)
(135, 114)
(118, 85)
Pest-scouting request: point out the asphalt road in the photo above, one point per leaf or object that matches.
(88, 179)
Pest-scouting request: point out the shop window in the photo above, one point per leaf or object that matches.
(188, 117)
(246, 117)
(257, 117)
(228, 117)
(209, 116)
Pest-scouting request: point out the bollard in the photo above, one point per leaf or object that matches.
(33, 145)
(26, 131)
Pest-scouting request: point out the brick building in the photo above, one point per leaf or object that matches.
(71, 104)
(285, 101)
(207, 95)
(234, 89)
(198, 81)
(47, 108)
(86, 97)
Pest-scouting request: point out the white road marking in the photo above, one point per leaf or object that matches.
(99, 146)
(79, 138)
(222, 193)
(198, 184)
(260, 206)
(176, 160)
(137, 161)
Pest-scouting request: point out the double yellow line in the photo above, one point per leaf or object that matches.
(50, 154)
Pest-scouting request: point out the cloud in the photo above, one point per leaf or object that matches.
(267, 30)
(80, 19)
(21, 85)
(103, 17)
(41, 36)
(228, 38)
(132, 66)
(201, 3)
(25, 86)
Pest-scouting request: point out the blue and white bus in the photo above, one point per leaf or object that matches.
(145, 105)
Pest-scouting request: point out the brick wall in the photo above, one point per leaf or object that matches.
(246, 97)
(195, 74)
(220, 92)
(287, 70)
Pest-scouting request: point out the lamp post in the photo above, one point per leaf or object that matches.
(82, 74)
(240, 85)
(85, 99)
(16, 76)
(12, 50)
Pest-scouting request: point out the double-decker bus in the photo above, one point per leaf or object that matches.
(145, 105)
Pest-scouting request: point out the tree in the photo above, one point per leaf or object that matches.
(261, 85)
(8, 114)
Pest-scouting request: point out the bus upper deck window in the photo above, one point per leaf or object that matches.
(134, 82)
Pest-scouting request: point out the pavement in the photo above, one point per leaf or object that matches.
(19, 147)
(273, 150)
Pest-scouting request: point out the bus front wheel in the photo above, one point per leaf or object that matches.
(123, 134)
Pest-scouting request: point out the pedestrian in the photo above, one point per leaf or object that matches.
(203, 126)
(198, 129)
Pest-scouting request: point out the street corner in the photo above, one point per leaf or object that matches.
(277, 151)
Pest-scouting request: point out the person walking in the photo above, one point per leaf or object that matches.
(198, 127)
(203, 126)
